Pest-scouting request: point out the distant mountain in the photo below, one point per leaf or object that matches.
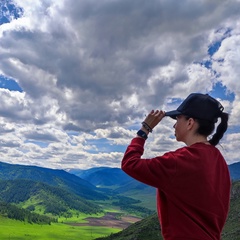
(103, 176)
(115, 177)
(54, 200)
(124, 184)
(133, 188)
(57, 178)
(235, 171)
(120, 183)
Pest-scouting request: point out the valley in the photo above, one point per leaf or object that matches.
(42, 204)
(78, 226)
(74, 207)
(110, 220)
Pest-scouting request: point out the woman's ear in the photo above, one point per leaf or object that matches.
(191, 123)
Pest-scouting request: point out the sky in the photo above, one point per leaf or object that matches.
(77, 78)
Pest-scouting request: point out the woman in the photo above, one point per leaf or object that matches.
(193, 182)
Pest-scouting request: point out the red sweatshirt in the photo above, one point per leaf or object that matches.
(193, 188)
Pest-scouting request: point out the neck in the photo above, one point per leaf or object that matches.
(196, 139)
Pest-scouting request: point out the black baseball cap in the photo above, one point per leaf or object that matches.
(199, 106)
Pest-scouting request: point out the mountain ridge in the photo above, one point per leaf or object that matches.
(54, 200)
(234, 169)
(107, 176)
(102, 176)
(57, 178)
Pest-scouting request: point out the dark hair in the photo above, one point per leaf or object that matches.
(206, 128)
(221, 129)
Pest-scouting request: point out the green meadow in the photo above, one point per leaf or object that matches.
(17, 230)
(64, 229)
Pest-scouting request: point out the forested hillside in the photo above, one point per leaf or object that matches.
(57, 178)
(49, 199)
(59, 193)
(14, 212)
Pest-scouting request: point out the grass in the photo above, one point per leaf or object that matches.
(146, 201)
(16, 230)
(78, 218)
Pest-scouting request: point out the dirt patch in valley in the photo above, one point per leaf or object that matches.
(109, 220)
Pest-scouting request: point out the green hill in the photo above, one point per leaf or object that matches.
(57, 178)
(232, 227)
(37, 195)
(14, 212)
(49, 190)
(149, 228)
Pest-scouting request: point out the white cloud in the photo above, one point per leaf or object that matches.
(230, 146)
(235, 113)
(14, 106)
(227, 63)
(91, 70)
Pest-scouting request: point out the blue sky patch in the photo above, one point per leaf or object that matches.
(9, 84)
(9, 11)
(39, 143)
(214, 48)
(220, 91)
(104, 145)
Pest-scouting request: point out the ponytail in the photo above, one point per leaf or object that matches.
(221, 129)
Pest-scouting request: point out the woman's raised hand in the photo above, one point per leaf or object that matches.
(153, 118)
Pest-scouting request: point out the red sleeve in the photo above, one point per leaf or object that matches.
(157, 172)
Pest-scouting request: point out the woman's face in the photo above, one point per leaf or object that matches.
(181, 128)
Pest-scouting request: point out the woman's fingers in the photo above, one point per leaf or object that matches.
(154, 117)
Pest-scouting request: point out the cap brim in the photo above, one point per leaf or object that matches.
(172, 114)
